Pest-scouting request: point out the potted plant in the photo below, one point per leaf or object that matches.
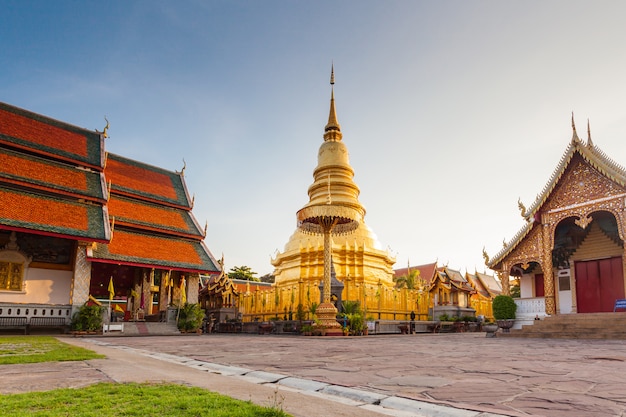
(490, 328)
(307, 330)
(504, 309)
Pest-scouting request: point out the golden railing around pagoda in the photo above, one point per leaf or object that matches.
(377, 301)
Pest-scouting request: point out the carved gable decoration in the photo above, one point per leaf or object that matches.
(581, 182)
(529, 249)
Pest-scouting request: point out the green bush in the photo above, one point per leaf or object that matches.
(88, 318)
(190, 317)
(504, 307)
(356, 323)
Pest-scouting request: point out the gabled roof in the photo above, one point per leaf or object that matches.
(49, 176)
(148, 216)
(148, 250)
(592, 155)
(138, 180)
(490, 282)
(22, 210)
(427, 271)
(51, 138)
(452, 278)
(485, 285)
(219, 284)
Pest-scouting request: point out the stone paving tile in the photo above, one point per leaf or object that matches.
(513, 376)
(31, 377)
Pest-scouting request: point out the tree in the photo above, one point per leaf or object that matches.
(242, 272)
(409, 280)
(268, 278)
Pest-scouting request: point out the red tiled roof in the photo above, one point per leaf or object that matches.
(31, 130)
(45, 136)
(136, 178)
(144, 181)
(150, 250)
(25, 210)
(48, 175)
(29, 208)
(427, 271)
(151, 216)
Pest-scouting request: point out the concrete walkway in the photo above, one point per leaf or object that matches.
(455, 375)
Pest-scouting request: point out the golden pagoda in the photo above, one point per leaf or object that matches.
(359, 262)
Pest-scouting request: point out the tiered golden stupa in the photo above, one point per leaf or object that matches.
(359, 262)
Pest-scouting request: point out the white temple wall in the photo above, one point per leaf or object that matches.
(526, 283)
(42, 286)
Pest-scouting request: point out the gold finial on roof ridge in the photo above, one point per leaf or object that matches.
(106, 128)
(575, 137)
(589, 141)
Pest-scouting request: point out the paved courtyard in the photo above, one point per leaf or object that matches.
(506, 376)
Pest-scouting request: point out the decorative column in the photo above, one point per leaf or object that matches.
(326, 220)
(504, 280)
(548, 276)
(193, 283)
(82, 277)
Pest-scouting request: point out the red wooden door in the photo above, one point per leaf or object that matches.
(539, 289)
(598, 284)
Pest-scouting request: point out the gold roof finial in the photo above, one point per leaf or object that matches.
(106, 128)
(589, 141)
(521, 207)
(485, 256)
(575, 137)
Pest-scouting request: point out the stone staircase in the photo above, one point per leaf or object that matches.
(575, 326)
(143, 328)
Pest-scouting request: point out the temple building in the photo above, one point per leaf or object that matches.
(78, 223)
(569, 255)
(443, 290)
(359, 261)
(485, 288)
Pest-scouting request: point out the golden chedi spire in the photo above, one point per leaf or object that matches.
(333, 176)
(358, 256)
(332, 129)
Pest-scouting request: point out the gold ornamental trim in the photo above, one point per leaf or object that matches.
(338, 220)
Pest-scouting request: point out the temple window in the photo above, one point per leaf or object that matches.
(11, 276)
(13, 266)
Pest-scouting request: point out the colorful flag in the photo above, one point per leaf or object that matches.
(111, 289)
(183, 291)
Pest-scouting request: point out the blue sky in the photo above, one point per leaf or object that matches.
(451, 110)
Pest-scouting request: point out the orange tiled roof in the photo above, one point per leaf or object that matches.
(141, 180)
(150, 250)
(151, 216)
(31, 171)
(26, 210)
(37, 133)
(427, 271)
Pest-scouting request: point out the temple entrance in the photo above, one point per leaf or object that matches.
(539, 286)
(598, 284)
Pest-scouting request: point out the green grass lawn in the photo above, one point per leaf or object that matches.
(114, 400)
(108, 399)
(33, 349)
